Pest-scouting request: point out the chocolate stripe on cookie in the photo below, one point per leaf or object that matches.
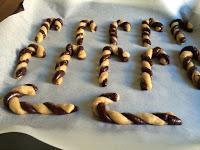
(24, 56)
(146, 31)
(187, 54)
(146, 76)
(48, 24)
(176, 26)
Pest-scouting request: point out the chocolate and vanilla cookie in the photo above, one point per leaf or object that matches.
(25, 54)
(48, 24)
(126, 118)
(176, 26)
(104, 61)
(62, 64)
(104, 66)
(12, 102)
(126, 26)
(64, 59)
(186, 56)
(80, 31)
(146, 76)
(147, 25)
(146, 31)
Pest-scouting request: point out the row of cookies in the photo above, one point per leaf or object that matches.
(187, 54)
(12, 102)
(147, 24)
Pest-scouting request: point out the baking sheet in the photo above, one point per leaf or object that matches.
(172, 90)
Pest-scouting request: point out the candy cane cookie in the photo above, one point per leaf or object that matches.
(146, 76)
(104, 66)
(176, 26)
(141, 118)
(49, 23)
(13, 103)
(186, 55)
(25, 54)
(62, 64)
(63, 61)
(104, 61)
(80, 31)
(126, 26)
(146, 30)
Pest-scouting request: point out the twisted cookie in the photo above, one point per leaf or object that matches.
(104, 61)
(24, 56)
(12, 102)
(80, 51)
(126, 26)
(63, 61)
(104, 66)
(49, 23)
(142, 118)
(61, 65)
(176, 26)
(146, 30)
(146, 76)
(186, 56)
(81, 30)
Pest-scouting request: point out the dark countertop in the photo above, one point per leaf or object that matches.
(9, 7)
(21, 141)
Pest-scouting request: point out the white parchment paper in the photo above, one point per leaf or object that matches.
(172, 90)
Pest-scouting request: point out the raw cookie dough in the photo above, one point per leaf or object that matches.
(104, 61)
(80, 31)
(126, 26)
(25, 54)
(13, 103)
(146, 30)
(49, 24)
(141, 118)
(176, 26)
(146, 76)
(186, 55)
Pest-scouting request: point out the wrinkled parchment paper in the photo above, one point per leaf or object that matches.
(172, 90)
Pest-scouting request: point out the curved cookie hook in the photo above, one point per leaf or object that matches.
(25, 54)
(146, 76)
